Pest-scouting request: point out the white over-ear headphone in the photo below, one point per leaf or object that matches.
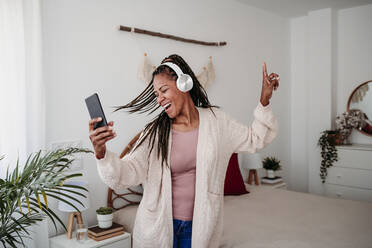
(184, 81)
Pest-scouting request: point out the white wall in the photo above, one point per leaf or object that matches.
(330, 55)
(319, 81)
(85, 53)
(354, 51)
(311, 95)
(299, 107)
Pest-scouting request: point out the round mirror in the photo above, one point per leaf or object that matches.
(361, 99)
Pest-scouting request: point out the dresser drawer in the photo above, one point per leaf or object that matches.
(360, 159)
(350, 193)
(350, 177)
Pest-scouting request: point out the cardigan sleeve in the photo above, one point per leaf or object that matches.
(259, 134)
(122, 173)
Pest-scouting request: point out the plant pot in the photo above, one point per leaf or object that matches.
(270, 174)
(336, 138)
(105, 221)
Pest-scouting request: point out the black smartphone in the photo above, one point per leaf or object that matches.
(95, 110)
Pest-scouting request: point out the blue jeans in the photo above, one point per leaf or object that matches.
(182, 233)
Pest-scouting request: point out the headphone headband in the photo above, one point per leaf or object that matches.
(175, 68)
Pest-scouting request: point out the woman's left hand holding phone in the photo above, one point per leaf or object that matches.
(100, 136)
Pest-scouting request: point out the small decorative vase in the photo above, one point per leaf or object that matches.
(270, 174)
(105, 221)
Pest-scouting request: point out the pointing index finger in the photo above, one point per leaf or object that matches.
(264, 70)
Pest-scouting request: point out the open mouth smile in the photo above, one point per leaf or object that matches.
(166, 106)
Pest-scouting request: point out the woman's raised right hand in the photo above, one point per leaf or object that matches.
(100, 136)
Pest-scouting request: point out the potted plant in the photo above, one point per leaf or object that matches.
(104, 217)
(24, 193)
(327, 143)
(271, 164)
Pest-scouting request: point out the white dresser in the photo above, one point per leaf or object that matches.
(351, 176)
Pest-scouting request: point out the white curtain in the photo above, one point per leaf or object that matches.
(22, 104)
(22, 121)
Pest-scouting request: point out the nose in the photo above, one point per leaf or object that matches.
(159, 99)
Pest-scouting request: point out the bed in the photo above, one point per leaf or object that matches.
(268, 217)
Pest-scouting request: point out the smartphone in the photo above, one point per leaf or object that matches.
(95, 110)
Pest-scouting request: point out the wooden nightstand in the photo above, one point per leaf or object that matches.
(61, 241)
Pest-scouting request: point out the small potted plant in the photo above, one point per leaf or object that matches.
(271, 164)
(104, 217)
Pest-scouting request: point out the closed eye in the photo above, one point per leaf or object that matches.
(162, 89)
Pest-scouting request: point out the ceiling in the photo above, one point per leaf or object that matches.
(293, 8)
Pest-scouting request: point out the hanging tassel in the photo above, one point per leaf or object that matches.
(207, 75)
(211, 72)
(145, 69)
(203, 77)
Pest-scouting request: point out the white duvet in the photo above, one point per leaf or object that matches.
(276, 218)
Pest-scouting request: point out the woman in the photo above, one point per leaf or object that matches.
(181, 157)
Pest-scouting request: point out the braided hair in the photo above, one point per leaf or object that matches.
(146, 102)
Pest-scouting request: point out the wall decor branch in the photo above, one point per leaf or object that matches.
(168, 36)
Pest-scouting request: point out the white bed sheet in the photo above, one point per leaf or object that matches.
(268, 218)
(280, 218)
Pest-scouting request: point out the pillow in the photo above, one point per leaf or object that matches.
(234, 184)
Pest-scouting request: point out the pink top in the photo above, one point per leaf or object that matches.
(183, 165)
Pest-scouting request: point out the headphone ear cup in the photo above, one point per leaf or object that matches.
(184, 83)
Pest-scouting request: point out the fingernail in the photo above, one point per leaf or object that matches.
(99, 118)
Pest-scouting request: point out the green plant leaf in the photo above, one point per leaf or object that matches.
(328, 153)
(38, 175)
(71, 191)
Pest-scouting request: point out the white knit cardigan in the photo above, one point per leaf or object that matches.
(219, 137)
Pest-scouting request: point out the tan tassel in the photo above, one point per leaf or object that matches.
(207, 75)
(211, 72)
(203, 77)
(145, 69)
